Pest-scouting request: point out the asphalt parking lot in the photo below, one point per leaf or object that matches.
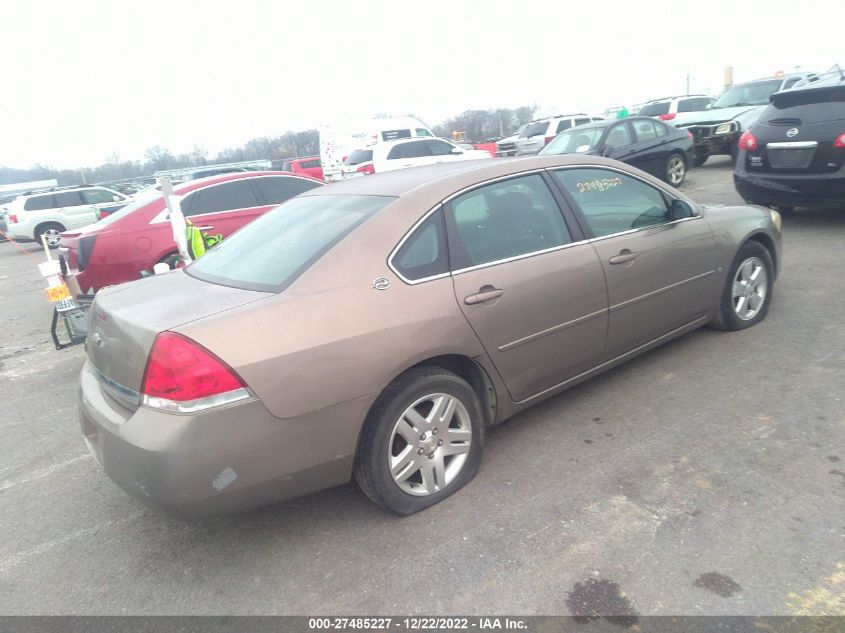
(706, 477)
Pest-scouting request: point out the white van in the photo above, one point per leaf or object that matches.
(337, 142)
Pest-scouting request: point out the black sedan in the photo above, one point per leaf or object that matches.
(659, 149)
(795, 153)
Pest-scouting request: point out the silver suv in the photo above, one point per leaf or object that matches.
(48, 213)
(668, 108)
(536, 134)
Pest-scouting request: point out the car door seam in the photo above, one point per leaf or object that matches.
(551, 330)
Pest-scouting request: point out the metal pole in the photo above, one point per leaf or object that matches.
(177, 220)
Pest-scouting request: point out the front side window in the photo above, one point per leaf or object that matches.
(271, 252)
(416, 149)
(694, 105)
(613, 202)
(422, 132)
(39, 203)
(98, 196)
(277, 189)
(68, 199)
(237, 194)
(424, 253)
(505, 219)
(644, 130)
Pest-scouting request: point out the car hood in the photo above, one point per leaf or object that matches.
(508, 139)
(124, 320)
(718, 115)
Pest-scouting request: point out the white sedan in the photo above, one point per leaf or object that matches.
(412, 152)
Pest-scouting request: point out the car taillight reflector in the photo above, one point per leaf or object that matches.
(179, 369)
(667, 117)
(839, 141)
(13, 219)
(367, 169)
(748, 142)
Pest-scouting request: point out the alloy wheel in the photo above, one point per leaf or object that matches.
(676, 170)
(429, 444)
(53, 237)
(749, 288)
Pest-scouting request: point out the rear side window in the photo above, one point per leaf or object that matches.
(619, 136)
(68, 199)
(422, 132)
(228, 196)
(644, 130)
(563, 124)
(505, 219)
(39, 203)
(416, 149)
(655, 109)
(660, 129)
(277, 189)
(581, 121)
(439, 148)
(271, 252)
(359, 156)
(424, 253)
(98, 196)
(613, 202)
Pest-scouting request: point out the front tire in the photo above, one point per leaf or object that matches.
(675, 170)
(748, 289)
(421, 442)
(52, 231)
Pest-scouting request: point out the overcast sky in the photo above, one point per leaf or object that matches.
(82, 79)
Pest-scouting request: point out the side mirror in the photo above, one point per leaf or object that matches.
(680, 209)
(607, 151)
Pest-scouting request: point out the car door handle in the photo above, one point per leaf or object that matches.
(486, 293)
(623, 257)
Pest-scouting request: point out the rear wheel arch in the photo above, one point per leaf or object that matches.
(45, 226)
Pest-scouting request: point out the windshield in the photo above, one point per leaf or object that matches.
(271, 252)
(534, 129)
(655, 109)
(574, 141)
(142, 199)
(756, 93)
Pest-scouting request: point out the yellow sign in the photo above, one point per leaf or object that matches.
(57, 293)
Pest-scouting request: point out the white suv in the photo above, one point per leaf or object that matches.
(535, 135)
(418, 151)
(668, 108)
(50, 212)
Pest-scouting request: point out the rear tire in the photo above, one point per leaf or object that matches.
(748, 289)
(675, 170)
(422, 441)
(52, 231)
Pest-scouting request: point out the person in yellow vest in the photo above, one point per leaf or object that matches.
(199, 242)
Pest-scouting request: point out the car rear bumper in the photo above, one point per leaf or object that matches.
(223, 460)
(789, 189)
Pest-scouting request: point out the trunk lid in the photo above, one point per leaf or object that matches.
(124, 320)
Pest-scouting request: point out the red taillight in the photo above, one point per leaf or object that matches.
(667, 117)
(180, 369)
(748, 142)
(839, 141)
(13, 219)
(367, 169)
(548, 140)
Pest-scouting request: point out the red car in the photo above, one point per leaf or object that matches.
(308, 166)
(138, 236)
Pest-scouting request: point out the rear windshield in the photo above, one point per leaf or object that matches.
(818, 105)
(359, 156)
(271, 252)
(535, 129)
(654, 109)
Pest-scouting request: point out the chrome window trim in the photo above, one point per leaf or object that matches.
(793, 145)
(549, 170)
(162, 216)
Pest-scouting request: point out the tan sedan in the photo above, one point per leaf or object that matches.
(375, 327)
